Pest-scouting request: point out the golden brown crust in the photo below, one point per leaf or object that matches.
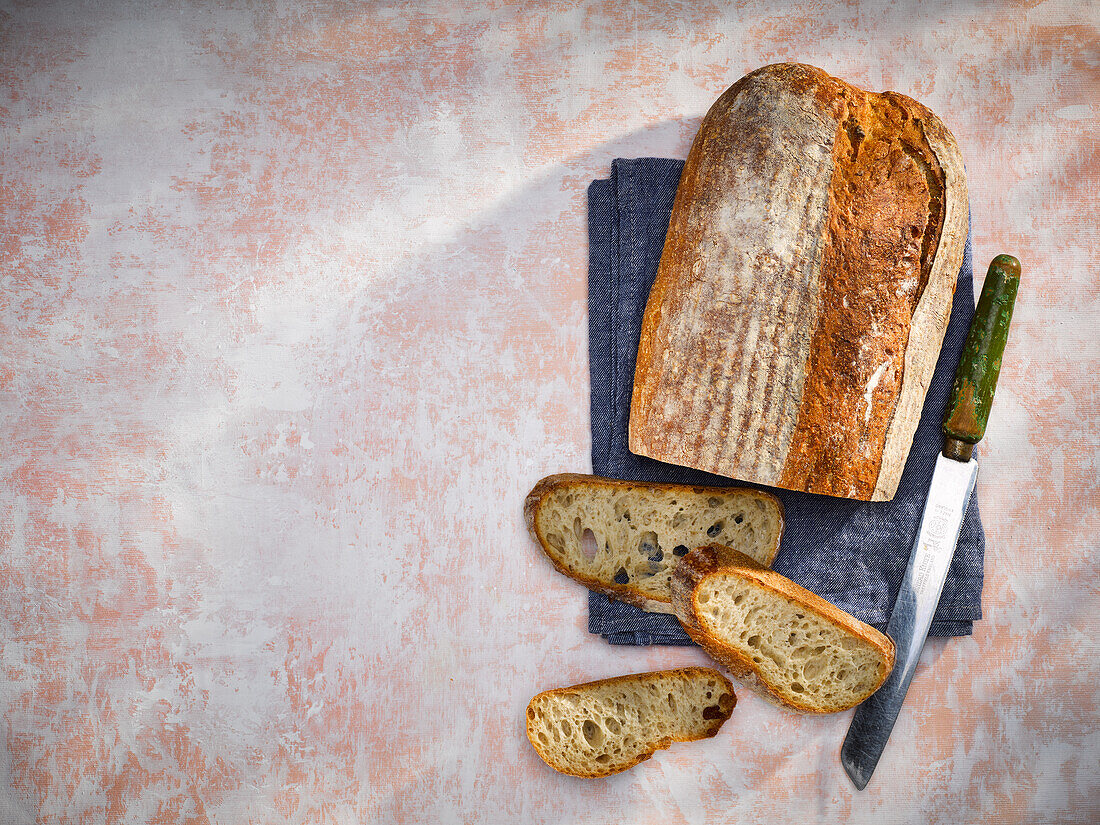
(623, 592)
(659, 744)
(715, 559)
(929, 323)
(804, 288)
(848, 376)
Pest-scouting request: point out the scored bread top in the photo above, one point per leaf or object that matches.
(783, 641)
(604, 727)
(624, 538)
(804, 288)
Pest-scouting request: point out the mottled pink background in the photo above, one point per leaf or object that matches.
(293, 315)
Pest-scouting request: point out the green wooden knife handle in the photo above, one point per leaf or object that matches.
(976, 376)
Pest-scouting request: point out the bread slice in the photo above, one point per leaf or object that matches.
(780, 639)
(804, 288)
(624, 538)
(600, 728)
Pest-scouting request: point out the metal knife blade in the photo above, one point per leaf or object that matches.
(948, 496)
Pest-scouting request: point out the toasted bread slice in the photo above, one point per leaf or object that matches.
(600, 728)
(780, 639)
(624, 538)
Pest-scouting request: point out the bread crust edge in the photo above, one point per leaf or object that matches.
(933, 311)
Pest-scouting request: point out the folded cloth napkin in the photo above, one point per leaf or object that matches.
(852, 553)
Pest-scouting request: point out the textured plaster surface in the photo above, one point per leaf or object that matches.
(293, 315)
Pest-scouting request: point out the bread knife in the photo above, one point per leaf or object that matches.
(948, 496)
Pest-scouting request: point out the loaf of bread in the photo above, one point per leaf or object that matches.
(600, 728)
(779, 639)
(623, 538)
(804, 288)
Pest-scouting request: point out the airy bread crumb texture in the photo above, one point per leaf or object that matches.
(600, 728)
(626, 539)
(801, 655)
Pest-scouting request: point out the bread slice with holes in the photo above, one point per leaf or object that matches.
(778, 638)
(623, 538)
(600, 728)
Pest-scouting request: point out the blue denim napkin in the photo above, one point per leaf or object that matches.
(852, 553)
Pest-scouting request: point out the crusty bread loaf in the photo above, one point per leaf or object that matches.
(601, 728)
(804, 288)
(623, 538)
(780, 639)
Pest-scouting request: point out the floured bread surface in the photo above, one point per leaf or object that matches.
(804, 288)
(624, 538)
(783, 640)
(600, 728)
